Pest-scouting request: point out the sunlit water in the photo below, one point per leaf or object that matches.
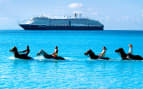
(78, 71)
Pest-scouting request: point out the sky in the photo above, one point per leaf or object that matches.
(114, 14)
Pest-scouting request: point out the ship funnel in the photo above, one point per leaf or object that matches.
(75, 15)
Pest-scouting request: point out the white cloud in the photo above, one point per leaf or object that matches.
(75, 5)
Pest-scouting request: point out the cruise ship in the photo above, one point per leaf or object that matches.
(46, 23)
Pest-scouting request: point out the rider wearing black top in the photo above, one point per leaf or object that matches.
(27, 51)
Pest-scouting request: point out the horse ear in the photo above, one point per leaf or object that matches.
(121, 48)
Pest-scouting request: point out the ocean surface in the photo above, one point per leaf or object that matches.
(78, 71)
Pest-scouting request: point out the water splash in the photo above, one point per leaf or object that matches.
(12, 58)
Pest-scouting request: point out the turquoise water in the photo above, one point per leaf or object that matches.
(78, 71)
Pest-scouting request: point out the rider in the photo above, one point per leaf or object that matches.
(130, 49)
(27, 51)
(55, 54)
(102, 54)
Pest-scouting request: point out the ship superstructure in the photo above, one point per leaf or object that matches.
(46, 23)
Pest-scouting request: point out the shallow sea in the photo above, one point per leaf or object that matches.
(78, 71)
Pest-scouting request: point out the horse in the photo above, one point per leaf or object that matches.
(93, 56)
(17, 55)
(46, 55)
(128, 56)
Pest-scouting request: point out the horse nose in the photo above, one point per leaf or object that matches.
(10, 50)
(38, 54)
(115, 50)
(85, 53)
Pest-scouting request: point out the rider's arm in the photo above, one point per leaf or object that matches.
(22, 51)
(102, 53)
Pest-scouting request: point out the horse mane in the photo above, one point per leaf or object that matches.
(122, 53)
(15, 51)
(122, 50)
(91, 54)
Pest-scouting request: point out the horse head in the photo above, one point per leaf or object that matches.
(14, 49)
(88, 52)
(122, 53)
(119, 50)
(41, 52)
